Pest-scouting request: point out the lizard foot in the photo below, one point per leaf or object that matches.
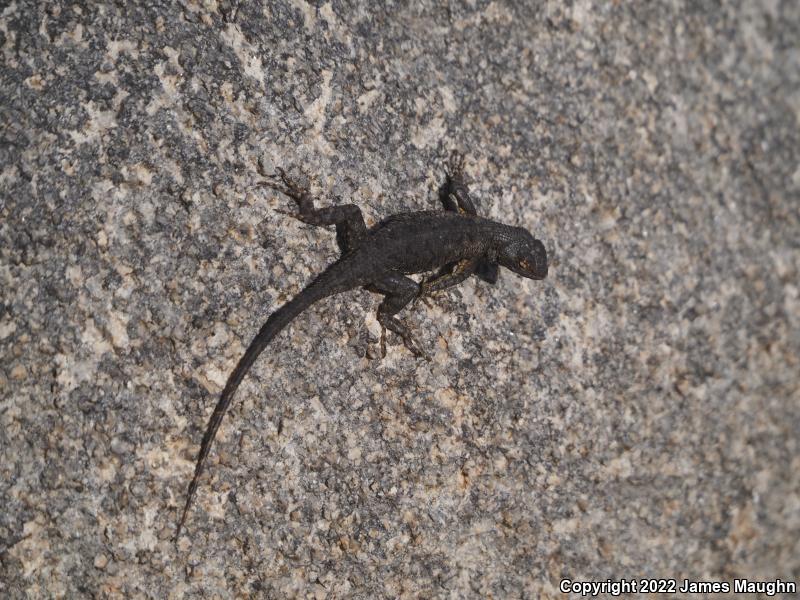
(301, 195)
(414, 348)
(284, 184)
(455, 166)
(408, 341)
(423, 295)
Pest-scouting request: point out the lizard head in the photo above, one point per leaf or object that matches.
(524, 255)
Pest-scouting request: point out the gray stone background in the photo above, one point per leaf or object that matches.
(636, 414)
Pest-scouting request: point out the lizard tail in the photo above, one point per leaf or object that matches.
(317, 290)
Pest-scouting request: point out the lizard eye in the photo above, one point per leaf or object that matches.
(527, 257)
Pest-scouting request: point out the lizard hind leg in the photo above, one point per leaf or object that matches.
(349, 222)
(399, 291)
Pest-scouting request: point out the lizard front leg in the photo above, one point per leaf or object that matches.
(349, 222)
(449, 278)
(399, 291)
(454, 194)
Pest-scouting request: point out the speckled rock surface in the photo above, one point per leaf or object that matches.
(636, 414)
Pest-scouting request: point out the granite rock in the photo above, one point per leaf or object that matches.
(634, 415)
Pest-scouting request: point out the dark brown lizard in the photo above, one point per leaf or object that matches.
(457, 242)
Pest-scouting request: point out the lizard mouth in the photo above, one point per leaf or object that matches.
(530, 269)
(536, 267)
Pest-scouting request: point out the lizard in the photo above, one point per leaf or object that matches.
(455, 244)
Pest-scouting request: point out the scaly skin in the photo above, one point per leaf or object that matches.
(457, 242)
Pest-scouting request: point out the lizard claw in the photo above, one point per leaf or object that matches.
(411, 344)
(383, 342)
(455, 166)
(424, 355)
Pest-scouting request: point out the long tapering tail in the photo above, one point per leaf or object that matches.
(318, 289)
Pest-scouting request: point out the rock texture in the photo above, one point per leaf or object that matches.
(634, 415)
